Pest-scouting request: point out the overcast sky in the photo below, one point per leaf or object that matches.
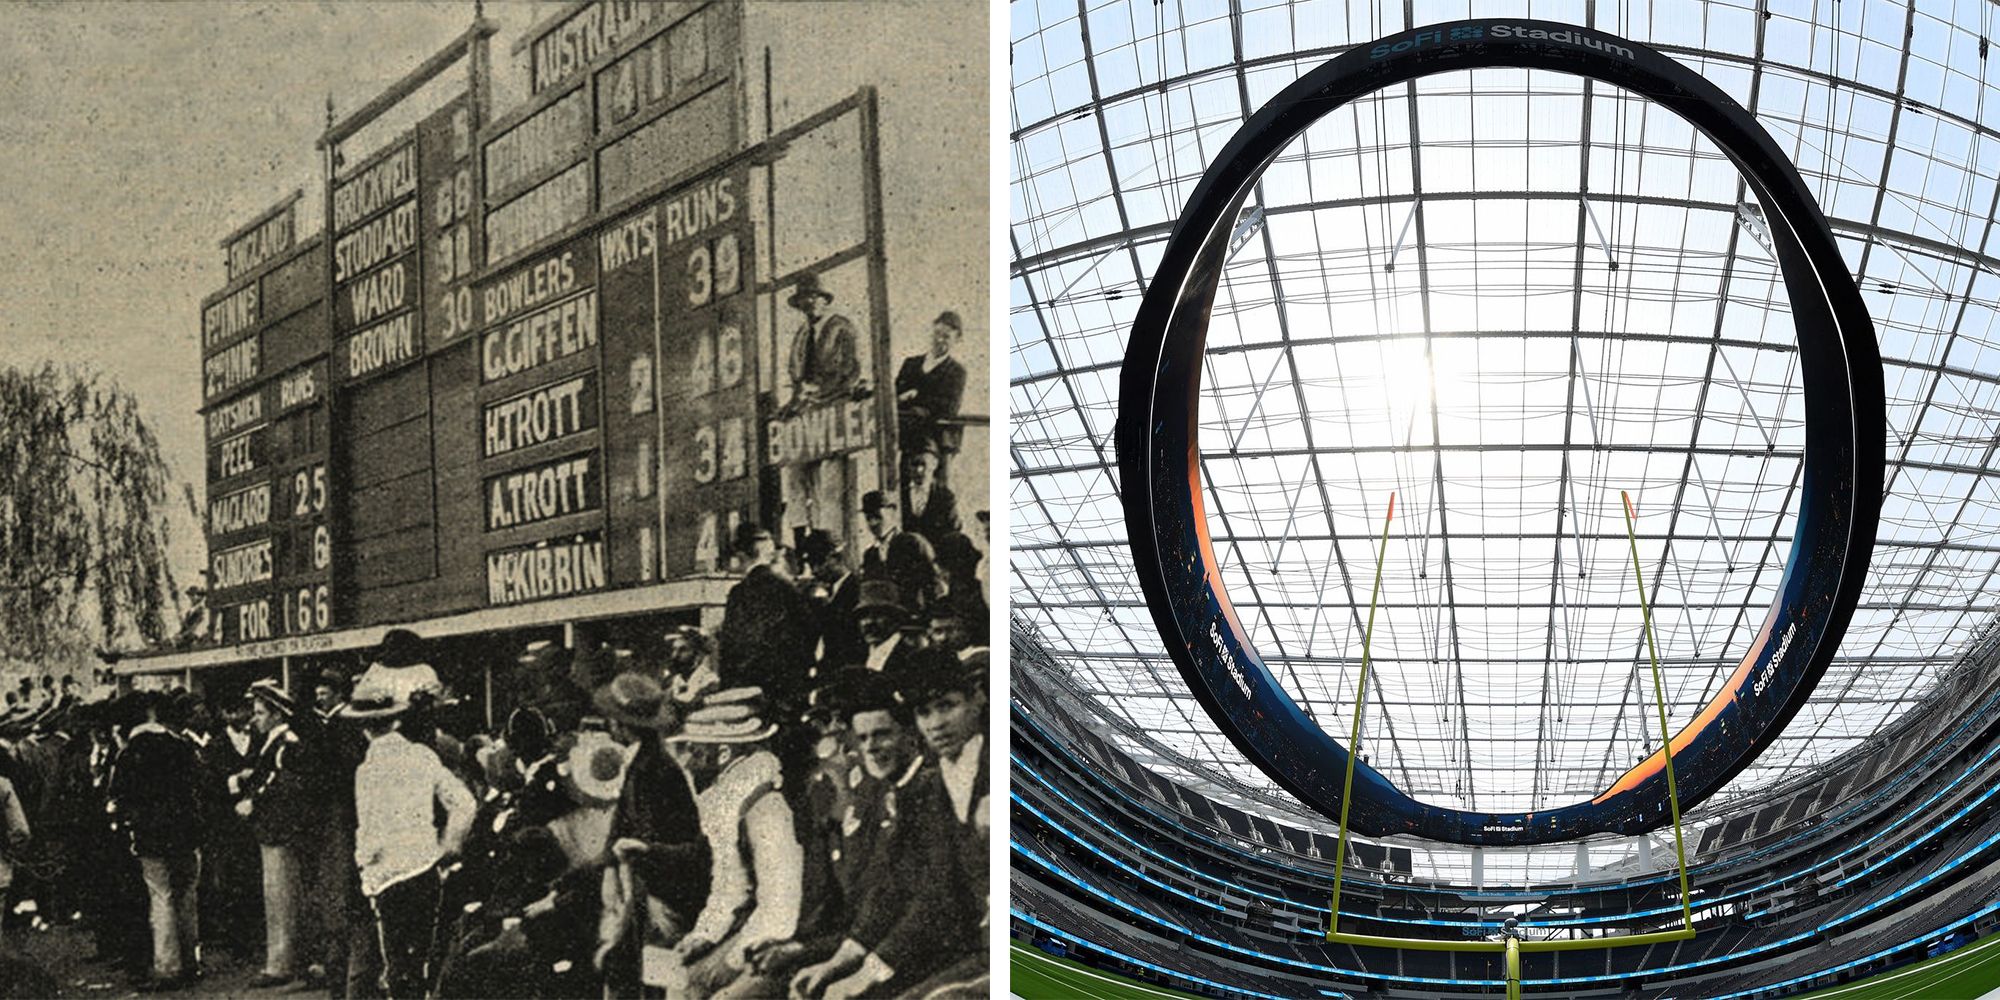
(134, 136)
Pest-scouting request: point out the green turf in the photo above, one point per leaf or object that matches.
(1037, 975)
(1965, 974)
(1968, 973)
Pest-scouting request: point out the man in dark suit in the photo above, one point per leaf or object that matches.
(156, 796)
(946, 693)
(768, 630)
(884, 521)
(853, 812)
(232, 899)
(279, 795)
(656, 837)
(929, 507)
(918, 907)
(840, 641)
(930, 387)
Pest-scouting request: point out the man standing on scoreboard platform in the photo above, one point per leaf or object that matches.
(825, 364)
(930, 387)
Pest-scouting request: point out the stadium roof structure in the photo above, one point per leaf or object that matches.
(1506, 296)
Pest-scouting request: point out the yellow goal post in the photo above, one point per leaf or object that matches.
(1511, 946)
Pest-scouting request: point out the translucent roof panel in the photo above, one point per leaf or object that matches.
(1507, 297)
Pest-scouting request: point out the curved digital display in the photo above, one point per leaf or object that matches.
(1840, 487)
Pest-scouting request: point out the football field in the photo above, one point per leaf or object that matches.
(1970, 973)
(1037, 975)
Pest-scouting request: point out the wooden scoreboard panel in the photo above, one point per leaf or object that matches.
(536, 374)
(541, 483)
(266, 417)
(383, 419)
(407, 245)
(710, 467)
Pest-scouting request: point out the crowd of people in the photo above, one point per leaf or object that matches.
(792, 804)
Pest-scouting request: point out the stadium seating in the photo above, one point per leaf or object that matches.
(1837, 876)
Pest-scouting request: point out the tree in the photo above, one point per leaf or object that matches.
(84, 494)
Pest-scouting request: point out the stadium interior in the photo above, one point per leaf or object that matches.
(1506, 296)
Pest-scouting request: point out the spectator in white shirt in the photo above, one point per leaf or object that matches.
(754, 889)
(397, 843)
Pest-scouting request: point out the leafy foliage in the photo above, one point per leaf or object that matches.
(83, 518)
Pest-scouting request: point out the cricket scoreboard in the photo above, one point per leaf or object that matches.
(264, 342)
(523, 360)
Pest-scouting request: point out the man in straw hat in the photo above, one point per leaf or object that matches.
(754, 889)
(398, 790)
(824, 363)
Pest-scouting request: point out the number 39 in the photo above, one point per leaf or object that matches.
(713, 272)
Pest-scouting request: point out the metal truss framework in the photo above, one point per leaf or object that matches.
(1509, 296)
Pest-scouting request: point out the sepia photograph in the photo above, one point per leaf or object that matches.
(495, 499)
